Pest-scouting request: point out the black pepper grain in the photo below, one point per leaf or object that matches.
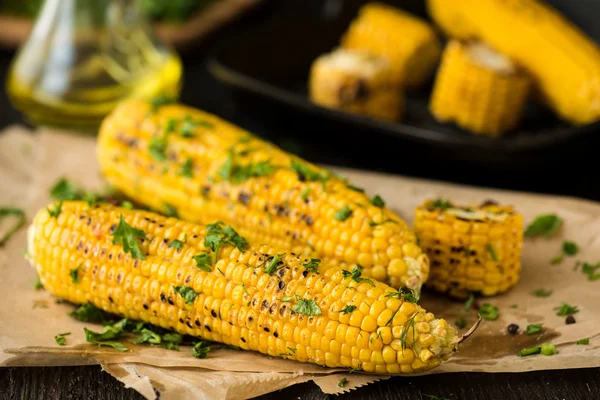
(570, 320)
(513, 329)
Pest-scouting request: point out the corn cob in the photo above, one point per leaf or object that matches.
(357, 82)
(564, 63)
(251, 296)
(408, 42)
(479, 89)
(472, 249)
(219, 172)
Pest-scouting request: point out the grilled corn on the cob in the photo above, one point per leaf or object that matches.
(472, 249)
(253, 297)
(184, 160)
(358, 82)
(564, 63)
(479, 89)
(408, 42)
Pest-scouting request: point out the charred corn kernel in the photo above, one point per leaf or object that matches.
(408, 42)
(357, 82)
(478, 89)
(488, 264)
(240, 305)
(563, 61)
(267, 195)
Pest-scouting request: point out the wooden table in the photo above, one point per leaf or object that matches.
(570, 170)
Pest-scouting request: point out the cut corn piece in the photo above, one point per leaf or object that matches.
(479, 89)
(408, 42)
(358, 82)
(563, 61)
(177, 158)
(247, 298)
(472, 249)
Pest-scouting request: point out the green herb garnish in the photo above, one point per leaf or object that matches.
(532, 329)
(233, 172)
(89, 313)
(157, 147)
(355, 188)
(127, 236)
(489, 312)
(11, 211)
(305, 193)
(359, 368)
(161, 100)
(470, 301)
(203, 261)
(63, 189)
(492, 253)
(312, 265)
(530, 351)
(342, 382)
(306, 173)
(272, 266)
(109, 332)
(219, 234)
(188, 126)
(74, 274)
(177, 244)
(590, 271)
(583, 341)
(377, 201)
(187, 168)
(60, 339)
(348, 309)
(548, 349)
(441, 204)
(408, 295)
(461, 323)
(188, 294)
(148, 336)
(201, 349)
(56, 210)
(565, 309)
(542, 292)
(343, 213)
(306, 307)
(544, 225)
(355, 274)
(570, 248)
(557, 260)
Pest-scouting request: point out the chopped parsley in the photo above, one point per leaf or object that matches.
(188, 294)
(11, 211)
(187, 168)
(127, 236)
(590, 271)
(64, 189)
(493, 253)
(38, 283)
(557, 260)
(441, 204)
(548, 349)
(532, 329)
(565, 309)
(201, 349)
(461, 323)
(107, 336)
(377, 201)
(312, 265)
(530, 351)
(343, 213)
(306, 307)
(342, 382)
(177, 244)
(544, 225)
(272, 265)
(157, 147)
(305, 193)
(355, 188)
(88, 313)
(305, 173)
(188, 126)
(373, 223)
(148, 336)
(470, 301)
(60, 339)
(170, 211)
(355, 274)
(233, 172)
(570, 248)
(56, 210)
(408, 295)
(583, 341)
(542, 292)
(203, 261)
(219, 234)
(348, 309)
(489, 312)
(74, 274)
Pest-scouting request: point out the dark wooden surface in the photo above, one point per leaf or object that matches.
(569, 170)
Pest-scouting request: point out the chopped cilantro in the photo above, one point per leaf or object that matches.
(305, 193)
(177, 244)
(470, 301)
(583, 341)
(343, 213)
(348, 309)
(342, 382)
(489, 312)
(377, 201)
(109, 332)
(355, 274)
(64, 189)
(492, 253)
(359, 368)
(441, 204)
(410, 323)
(187, 168)
(312, 265)
(306, 173)
(408, 295)
(235, 173)
(60, 339)
(219, 234)
(188, 294)
(161, 100)
(590, 271)
(532, 329)
(89, 313)
(74, 274)
(542, 292)
(544, 225)
(201, 349)
(148, 336)
(356, 189)
(127, 236)
(570, 248)
(272, 266)
(56, 210)
(203, 261)
(157, 147)
(188, 126)
(306, 307)
(557, 260)
(565, 309)
(38, 283)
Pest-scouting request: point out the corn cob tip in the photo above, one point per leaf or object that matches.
(254, 297)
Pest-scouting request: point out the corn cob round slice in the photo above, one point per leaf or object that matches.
(563, 61)
(472, 249)
(358, 82)
(177, 158)
(256, 298)
(479, 89)
(408, 42)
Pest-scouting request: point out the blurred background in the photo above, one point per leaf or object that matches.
(502, 98)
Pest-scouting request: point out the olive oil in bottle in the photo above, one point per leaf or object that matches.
(83, 57)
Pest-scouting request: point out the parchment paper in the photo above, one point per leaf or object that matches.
(29, 319)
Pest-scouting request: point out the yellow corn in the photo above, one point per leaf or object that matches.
(563, 61)
(472, 249)
(479, 89)
(358, 82)
(219, 172)
(408, 42)
(237, 302)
